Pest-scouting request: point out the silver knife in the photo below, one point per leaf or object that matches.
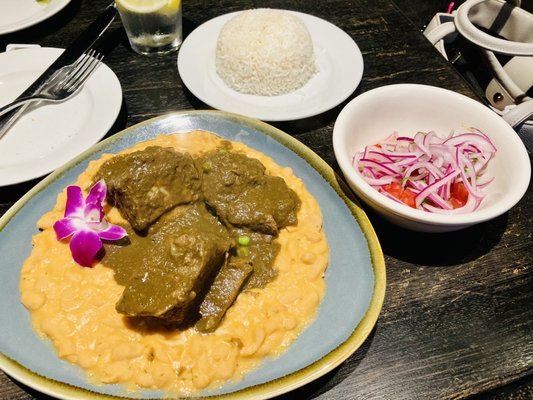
(71, 54)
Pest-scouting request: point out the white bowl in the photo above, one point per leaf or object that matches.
(409, 108)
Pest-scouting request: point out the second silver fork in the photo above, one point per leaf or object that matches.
(66, 82)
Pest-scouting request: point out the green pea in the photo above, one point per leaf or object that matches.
(244, 240)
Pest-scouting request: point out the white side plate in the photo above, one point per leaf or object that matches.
(49, 135)
(19, 14)
(338, 59)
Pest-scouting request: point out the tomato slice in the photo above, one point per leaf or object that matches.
(406, 196)
(394, 188)
(459, 195)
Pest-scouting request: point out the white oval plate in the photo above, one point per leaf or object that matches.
(338, 58)
(20, 14)
(48, 136)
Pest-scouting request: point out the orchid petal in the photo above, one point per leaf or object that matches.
(97, 193)
(113, 232)
(93, 212)
(107, 231)
(75, 201)
(85, 221)
(64, 228)
(84, 246)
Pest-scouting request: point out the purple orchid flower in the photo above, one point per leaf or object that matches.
(84, 220)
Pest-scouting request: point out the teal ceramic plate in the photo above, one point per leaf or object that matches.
(355, 277)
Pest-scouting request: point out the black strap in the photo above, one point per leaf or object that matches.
(502, 17)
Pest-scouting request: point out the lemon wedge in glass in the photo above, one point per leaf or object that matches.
(149, 6)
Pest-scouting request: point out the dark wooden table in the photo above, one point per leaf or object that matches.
(457, 321)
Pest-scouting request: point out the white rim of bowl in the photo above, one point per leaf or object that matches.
(369, 194)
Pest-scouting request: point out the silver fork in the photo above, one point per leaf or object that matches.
(65, 82)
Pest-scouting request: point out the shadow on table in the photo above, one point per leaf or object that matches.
(438, 249)
(12, 193)
(331, 379)
(434, 249)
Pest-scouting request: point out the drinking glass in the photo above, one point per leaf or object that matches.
(153, 26)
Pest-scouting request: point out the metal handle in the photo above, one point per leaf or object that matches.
(7, 122)
(18, 103)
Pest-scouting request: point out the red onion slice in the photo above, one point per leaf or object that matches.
(429, 165)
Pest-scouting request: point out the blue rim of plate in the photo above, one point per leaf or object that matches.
(68, 382)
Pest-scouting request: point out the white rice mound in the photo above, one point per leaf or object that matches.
(265, 52)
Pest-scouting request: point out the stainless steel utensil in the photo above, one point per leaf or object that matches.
(63, 84)
(70, 55)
